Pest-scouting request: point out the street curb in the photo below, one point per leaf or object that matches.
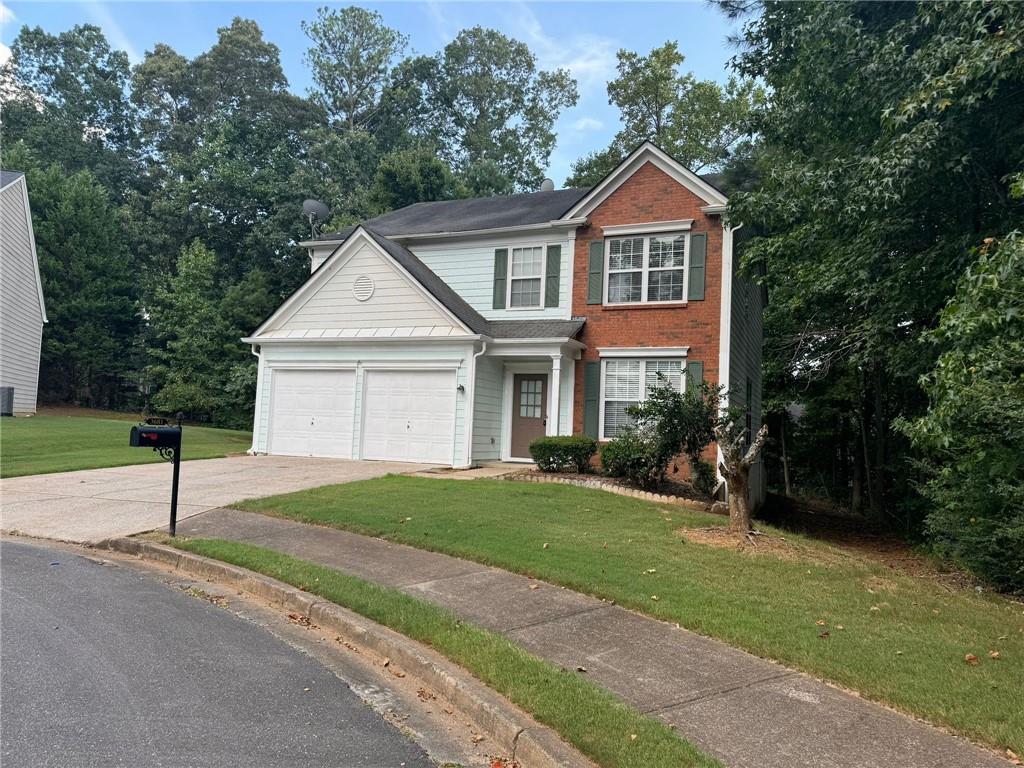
(512, 731)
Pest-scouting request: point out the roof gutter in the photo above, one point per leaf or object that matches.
(554, 224)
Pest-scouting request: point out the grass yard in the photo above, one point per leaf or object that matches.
(596, 722)
(59, 442)
(896, 639)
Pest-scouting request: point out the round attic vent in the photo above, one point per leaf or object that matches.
(362, 288)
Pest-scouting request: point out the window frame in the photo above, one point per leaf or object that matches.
(644, 361)
(541, 277)
(646, 269)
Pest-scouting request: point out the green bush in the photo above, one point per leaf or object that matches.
(561, 451)
(703, 477)
(638, 456)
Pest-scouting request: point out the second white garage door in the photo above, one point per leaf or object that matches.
(409, 416)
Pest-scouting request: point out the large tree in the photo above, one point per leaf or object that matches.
(884, 159)
(65, 98)
(351, 57)
(483, 99)
(698, 122)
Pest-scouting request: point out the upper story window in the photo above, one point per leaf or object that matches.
(526, 278)
(646, 269)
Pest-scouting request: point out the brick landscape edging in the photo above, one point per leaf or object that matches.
(531, 744)
(603, 485)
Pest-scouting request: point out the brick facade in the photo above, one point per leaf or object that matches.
(649, 195)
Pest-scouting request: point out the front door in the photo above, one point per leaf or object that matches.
(529, 411)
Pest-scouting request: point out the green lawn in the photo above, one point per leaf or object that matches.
(597, 723)
(57, 443)
(902, 640)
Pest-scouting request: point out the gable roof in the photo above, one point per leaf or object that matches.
(443, 294)
(467, 215)
(9, 177)
(648, 152)
(531, 208)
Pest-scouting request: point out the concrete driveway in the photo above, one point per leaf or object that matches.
(95, 504)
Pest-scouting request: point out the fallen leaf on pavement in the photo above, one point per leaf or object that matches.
(535, 586)
(1013, 757)
(581, 669)
(387, 662)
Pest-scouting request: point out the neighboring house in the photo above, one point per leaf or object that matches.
(459, 331)
(22, 310)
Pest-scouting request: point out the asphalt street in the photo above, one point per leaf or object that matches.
(102, 666)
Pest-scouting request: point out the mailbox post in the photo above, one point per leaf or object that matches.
(165, 440)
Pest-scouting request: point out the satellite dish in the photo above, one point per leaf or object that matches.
(547, 186)
(315, 211)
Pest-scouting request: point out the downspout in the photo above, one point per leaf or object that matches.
(255, 350)
(470, 395)
(725, 341)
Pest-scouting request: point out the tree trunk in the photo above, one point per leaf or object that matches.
(787, 485)
(739, 503)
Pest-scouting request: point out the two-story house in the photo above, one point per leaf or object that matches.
(459, 331)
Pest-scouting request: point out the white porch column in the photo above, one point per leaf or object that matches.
(555, 394)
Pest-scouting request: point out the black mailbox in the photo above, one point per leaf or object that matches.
(147, 436)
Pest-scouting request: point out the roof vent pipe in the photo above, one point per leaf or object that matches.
(547, 186)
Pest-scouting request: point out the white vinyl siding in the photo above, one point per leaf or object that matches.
(487, 403)
(626, 382)
(395, 302)
(21, 316)
(646, 269)
(468, 267)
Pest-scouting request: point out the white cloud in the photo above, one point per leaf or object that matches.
(589, 58)
(587, 124)
(6, 14)
(118, 39)
(5, 54)
(445, 27)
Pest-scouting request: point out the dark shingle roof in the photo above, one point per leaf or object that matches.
(473, 213)
(476, 213)
(477, 323)
(535, 329)
(9, 177)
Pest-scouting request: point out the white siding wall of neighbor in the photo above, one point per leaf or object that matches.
(360, 358)
(487, 409)
(746, 329)
(21, 316)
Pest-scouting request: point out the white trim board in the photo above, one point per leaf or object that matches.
(635, 352)
(653, 228)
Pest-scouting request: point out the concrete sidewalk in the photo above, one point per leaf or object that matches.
(748, 712)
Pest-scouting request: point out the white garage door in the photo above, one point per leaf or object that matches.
(409, 416)
(311, 413)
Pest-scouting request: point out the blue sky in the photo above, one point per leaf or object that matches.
(582, 37)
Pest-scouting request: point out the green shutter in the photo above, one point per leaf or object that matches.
(500, 277)
(698, 259)
(595, 283)
(591, 397)
(554, 272)
(694, 373)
